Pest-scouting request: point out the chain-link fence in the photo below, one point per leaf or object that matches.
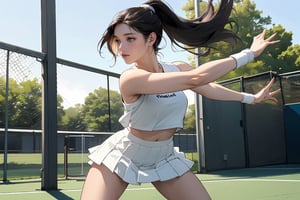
(78, 87)
(89, 104)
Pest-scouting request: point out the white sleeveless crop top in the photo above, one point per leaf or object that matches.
(156, 111)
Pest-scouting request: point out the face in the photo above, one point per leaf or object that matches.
(130, 44)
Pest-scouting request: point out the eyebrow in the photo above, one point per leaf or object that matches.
(126, 34)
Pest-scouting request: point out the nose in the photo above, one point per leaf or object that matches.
(120, 46)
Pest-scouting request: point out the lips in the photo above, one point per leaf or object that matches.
(124, 56)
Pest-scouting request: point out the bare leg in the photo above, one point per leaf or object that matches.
(102, 184)
(187, 186)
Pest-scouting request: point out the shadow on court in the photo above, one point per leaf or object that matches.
(57, 194)
(276, 182)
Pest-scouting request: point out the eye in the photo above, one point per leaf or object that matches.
(130, 39)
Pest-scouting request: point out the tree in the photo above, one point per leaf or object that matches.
(13, 93)
(290, 58)
(60, 111)
(73, 119)
(25, 108)
(24, 104)
(247, 22)
(2, 101)
(28, 105)
(189, 122)
(96, 111)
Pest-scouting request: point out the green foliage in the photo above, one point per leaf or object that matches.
(24, 104)
(290, 58)
(28, 108)
(189, 122)
(2, 100)
(248, 22)
(25, 108)
(96, 114)
(72, 119)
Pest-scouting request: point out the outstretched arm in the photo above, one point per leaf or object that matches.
(138, 81)
(218, 92)
(218, 68)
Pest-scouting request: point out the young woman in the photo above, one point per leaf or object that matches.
(154, 101)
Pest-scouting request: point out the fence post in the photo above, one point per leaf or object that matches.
(6, 120)
(49, 114)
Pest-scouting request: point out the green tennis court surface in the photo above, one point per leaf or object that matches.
(281, 182)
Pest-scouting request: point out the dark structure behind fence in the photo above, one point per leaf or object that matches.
(240, 135)
(235, 135)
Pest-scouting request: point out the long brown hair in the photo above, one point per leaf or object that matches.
(200, 32)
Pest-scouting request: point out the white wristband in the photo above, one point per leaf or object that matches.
(250, 54)
(243, 57)
(248, 98)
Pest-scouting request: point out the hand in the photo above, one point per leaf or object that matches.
(265, 93)
(260, 43)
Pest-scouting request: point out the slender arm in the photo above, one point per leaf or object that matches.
(218, 92)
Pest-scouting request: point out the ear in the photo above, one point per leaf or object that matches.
(152, 38)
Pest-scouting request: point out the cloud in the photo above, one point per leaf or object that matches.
(71, 92)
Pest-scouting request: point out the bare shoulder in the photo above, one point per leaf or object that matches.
(131, 84)
(183, 66)
(132, 73)
(132, 78)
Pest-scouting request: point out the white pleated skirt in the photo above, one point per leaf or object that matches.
(138, 161)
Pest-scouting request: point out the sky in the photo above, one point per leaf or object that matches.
(79, 25)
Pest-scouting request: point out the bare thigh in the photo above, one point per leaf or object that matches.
(102, 184)
(187, 186)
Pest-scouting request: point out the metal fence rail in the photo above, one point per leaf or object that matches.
(22, 64)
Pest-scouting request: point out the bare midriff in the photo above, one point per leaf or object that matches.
(154, 136)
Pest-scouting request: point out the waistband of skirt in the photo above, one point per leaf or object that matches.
(142, 142)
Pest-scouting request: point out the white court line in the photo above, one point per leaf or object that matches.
(152, 188)
(15, 193)
(277, 168)
(38, 192)
(250, 180)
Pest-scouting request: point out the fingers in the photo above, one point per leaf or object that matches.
(270, 95)
(265, 93)
(274, 42)
(270, 83)
(267, 88)
(260, 43)
(275, 92)
(262, 34)
(269, 39)
(273, 99)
